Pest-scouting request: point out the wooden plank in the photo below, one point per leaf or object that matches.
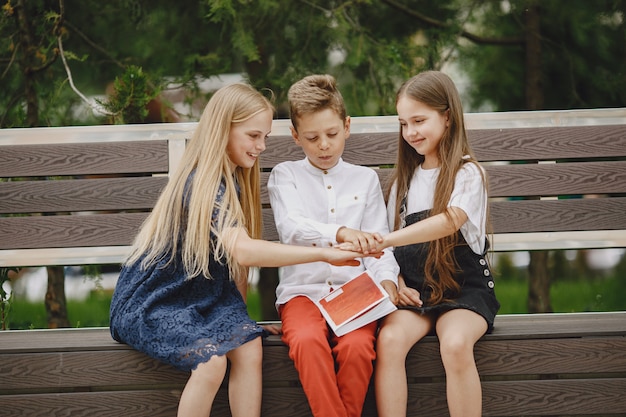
(506, 327)
(535, 180)
(528, 216)
(80, 195)
(70, 230)
(532, 357)
(93, 369)
(558, 325)
(558, 179)
(532, 216)
(58, 340)
(149, 403)
(549, 143)
(99, 370)
(602, 397)
(510, 144)
(500, 398)
(84, 158)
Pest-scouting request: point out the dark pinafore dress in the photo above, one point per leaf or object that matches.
(477, 285)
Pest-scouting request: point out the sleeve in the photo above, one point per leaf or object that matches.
(288, 206)
(470, 195)
(375, 220)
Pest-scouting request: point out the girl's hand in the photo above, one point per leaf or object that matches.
(407, 296)
(391, 289)
(272, 328)
(363, 242)
(341, 257)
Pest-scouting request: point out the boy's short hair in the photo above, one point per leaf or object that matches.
(314, 93)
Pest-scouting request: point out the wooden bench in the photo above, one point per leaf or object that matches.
(106, 179)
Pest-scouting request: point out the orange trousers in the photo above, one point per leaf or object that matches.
(335, 371)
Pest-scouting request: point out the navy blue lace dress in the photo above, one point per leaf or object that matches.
(181, 321)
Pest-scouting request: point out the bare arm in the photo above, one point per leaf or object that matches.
(427, 230)
(255, 252)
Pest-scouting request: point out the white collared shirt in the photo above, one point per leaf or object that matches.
(309, 206)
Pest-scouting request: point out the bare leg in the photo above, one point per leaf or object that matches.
(458, 331)
(244, 381)
(398, 333)
(199, 393)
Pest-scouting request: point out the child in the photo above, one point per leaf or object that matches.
(322, 201)
(180, 295)
(439, 195)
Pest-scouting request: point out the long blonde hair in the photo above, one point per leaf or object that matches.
(436, 90)
(160, 236)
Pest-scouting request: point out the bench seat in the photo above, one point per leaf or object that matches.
(528, 365)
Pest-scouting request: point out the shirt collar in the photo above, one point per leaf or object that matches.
(314, 170)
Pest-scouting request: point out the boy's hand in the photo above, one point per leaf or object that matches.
(363, 242)
(391, 289)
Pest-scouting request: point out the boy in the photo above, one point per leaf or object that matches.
(324, 201)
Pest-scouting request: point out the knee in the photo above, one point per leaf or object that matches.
(391, 341)
(456, 352)
(355, 350)
(210, 373)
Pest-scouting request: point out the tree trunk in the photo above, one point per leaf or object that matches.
(56, 308)
(539, 283)
(539, 278)
(56, 305)
(29, 48)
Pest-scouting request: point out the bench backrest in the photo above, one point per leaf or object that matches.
(77, 195)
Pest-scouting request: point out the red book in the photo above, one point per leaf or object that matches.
(356, 303)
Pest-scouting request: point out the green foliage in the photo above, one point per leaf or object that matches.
(5, 298)
(131, 94)
(582, 48)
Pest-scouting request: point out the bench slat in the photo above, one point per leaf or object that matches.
(603, 397)
(510, 144)
(83, 158)
(501, 398)
(495, 358)
(533, 357)
(557, 179)
(526, 216)
(139, 403)
(535, 180)
(80, 195)
(531, 216)
(70, 230)
(549, 143)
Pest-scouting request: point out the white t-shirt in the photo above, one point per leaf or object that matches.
(469, 194)
(309, 206)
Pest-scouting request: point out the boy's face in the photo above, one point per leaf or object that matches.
(322, 136)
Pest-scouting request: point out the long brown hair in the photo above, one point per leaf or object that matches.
(437, 91)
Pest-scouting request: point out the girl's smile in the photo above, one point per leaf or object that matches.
(422, 128)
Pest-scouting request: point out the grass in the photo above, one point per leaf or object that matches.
(566, 296)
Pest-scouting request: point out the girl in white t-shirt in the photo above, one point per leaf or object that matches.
(437, 208)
